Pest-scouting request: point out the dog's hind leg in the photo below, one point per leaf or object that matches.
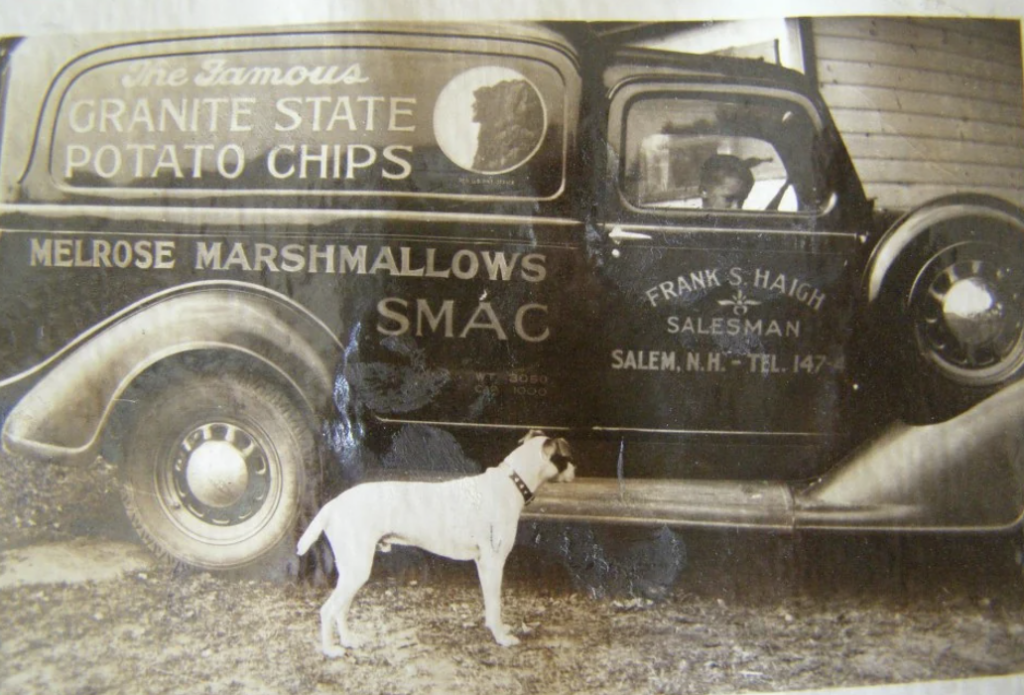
(353, 571)
(490, 569)
(328, 613)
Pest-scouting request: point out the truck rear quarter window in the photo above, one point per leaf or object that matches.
(692, 151)
(319, 119)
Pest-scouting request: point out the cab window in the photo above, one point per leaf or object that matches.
(732, 153)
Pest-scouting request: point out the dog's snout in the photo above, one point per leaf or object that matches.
(558, 452)
(568, 475)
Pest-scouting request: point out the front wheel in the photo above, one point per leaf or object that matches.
(956, 302)
(967, 313)
(214, 470)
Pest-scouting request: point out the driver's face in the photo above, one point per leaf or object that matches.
(727, 194)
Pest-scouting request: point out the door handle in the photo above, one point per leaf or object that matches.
(619, 235)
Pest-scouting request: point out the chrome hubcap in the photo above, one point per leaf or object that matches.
(970, 317)
(220, 474)
(973, 312)
(216, 474)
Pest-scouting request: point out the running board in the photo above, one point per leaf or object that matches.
(697, 503)
(770, 506)
(964, 474)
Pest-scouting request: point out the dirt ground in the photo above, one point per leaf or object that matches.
(747, 612)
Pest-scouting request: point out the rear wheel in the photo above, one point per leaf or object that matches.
(214, 470)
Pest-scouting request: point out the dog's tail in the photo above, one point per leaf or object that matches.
(313, 531)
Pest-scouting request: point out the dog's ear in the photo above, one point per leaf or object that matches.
(558, 452)
(530, 435)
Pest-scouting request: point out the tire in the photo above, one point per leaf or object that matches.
(960, 314)
(215, 471)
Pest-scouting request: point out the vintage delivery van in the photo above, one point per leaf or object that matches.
(252, 268)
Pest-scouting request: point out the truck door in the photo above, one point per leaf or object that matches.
(727, 271)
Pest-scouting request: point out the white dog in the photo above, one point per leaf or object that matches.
(473, 518)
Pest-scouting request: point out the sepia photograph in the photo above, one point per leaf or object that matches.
(388, 352)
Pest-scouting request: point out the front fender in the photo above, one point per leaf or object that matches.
(914, 224)
(966, 473)
(62, 416)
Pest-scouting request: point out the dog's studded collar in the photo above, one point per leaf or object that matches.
(523, 488)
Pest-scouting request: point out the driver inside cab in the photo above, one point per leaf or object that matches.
(725, 182)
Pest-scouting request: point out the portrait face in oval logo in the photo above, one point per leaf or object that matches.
(489, 120)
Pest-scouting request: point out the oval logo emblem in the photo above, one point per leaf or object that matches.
(490, 120)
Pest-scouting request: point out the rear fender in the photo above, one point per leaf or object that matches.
(62, 416)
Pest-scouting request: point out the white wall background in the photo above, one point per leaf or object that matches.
(927, 106)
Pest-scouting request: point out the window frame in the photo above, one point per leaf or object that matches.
(626, 95)
(38, 180)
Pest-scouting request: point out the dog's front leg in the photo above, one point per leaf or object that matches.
(490, 568)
